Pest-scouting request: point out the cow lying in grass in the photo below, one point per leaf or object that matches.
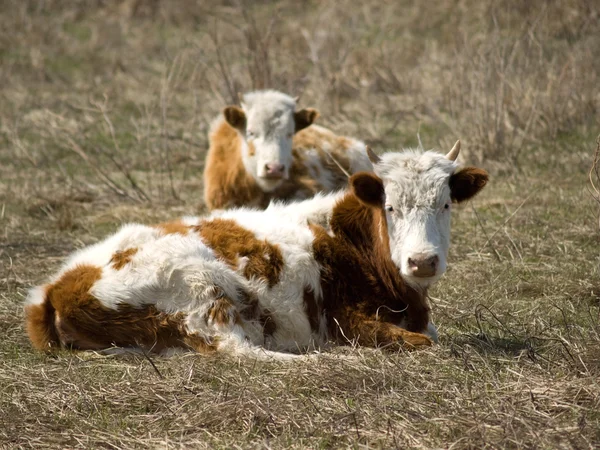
(264, 151)
(268, 282)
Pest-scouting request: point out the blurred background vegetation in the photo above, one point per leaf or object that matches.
(131, 86)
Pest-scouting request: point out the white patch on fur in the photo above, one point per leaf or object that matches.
(317, 210)
(357, 155)
(36, 296)
(191, 221)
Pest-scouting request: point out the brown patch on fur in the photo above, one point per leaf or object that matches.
(313, 310)
(174, 227)
(230, 241)
(362, 287)
(465, 183)
(223, 312)
(322, 139)
(84, 323)
(227, 184)
(40, 324)
(200, 344)
(121, 258)
(71, 291)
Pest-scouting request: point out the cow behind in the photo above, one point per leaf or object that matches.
(256, 282)
(267, 150)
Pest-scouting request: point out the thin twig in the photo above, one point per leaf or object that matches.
(163, 123)
(594, 173)
(507, 220)
(258, 57)
(145, 353)
(225, 72)
(120, 165)
(496, 254)
(110, 183)
(345, 172)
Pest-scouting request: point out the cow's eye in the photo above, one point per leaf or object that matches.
(290, 135)
(447, 206)
(389, 208)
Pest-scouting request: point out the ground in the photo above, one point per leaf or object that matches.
(104, 112)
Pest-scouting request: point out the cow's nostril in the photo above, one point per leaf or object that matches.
(423, 265)
(274, 169)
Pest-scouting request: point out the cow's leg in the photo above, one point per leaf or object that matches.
(234, 333)
(430, 331)
(218, 300)
(374, 333)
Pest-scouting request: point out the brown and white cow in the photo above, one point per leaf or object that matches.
(266, 150)
(269, 282)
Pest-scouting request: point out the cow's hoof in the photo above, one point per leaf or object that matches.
(416, 341)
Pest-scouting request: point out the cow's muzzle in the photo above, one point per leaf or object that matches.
(274, 170)
(423, 266)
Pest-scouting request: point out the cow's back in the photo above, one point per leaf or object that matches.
(318, 155)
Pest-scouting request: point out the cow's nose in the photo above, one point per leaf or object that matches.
(422, 265)
(274, 170)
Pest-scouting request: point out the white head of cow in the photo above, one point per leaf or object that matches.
(420, 188)
(267, 122)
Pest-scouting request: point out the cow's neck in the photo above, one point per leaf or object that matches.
(239, 182)
(365, 230)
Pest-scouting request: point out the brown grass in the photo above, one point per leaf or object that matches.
(104, 112)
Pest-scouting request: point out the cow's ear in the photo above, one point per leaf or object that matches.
(368, 188)
(304, 118)
(236, 117)
(465, 183)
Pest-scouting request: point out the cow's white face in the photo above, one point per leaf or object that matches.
(420, 188)
(267, 122)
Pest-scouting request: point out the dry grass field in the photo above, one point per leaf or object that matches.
(104, 111)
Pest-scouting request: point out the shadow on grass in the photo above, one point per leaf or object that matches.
(486, 343)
